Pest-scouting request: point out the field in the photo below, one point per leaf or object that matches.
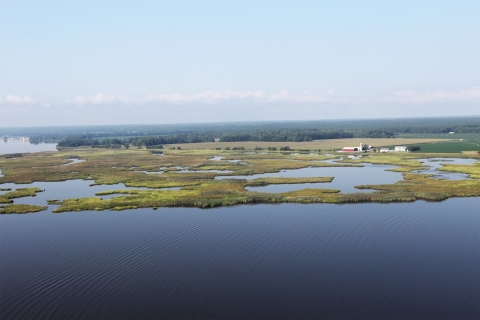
(456, 136)
(458, 143)
(323, 145)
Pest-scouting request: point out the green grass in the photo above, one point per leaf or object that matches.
(20, 208)
(279, 180)
(19, 193)
(463, 142)
(469, 136)
(449, 147)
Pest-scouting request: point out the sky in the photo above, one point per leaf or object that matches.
(152, 62)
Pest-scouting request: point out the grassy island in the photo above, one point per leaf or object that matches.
(21, 208)
(193, 171)
(19, 193)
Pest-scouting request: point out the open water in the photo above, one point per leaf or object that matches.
(364, 261)
(19, 146)
(417, 260)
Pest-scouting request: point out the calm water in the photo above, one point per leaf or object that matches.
(17, 146)
(67, 189)
(346, 178)
(364, 261)
(436, 163)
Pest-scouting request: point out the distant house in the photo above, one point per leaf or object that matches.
(451, 132)
(350, 149)
(400, 148)
(384, 150)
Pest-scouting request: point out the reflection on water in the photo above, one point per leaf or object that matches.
(19, 146)
(415, 260)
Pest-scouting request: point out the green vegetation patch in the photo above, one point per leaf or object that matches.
(450, 146)
(20, 208)
(419, 186)
(404, 161)
(19, 193)
(280, 180)
(473, 170)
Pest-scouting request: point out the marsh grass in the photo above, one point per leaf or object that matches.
(19, 193)
(200, 189)
(20, 208)
(472, 170)
(279, 180)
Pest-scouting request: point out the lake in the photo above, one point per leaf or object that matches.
(19, 146)
(306, 261)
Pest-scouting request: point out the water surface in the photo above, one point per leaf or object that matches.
(436, 163)
(346, 178)
(65, 190)
(416, 260)
(19, 146)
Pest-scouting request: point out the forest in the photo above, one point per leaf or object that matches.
(279, 131)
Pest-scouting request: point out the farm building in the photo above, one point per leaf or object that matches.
(353, 149)
(384, 150)
(400, 148)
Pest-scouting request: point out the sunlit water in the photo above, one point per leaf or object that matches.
(18, 146)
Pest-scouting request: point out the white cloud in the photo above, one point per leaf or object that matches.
(210, 96)
(408, 96)
(99, 98)
(470, 95)
(11, 99)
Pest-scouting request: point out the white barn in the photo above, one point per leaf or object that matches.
(400, 148)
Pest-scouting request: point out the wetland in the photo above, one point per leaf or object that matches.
(209, 178)
(308, 234)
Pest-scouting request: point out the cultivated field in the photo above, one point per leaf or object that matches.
(460, 142)
(312, 145)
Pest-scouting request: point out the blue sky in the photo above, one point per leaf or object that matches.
(112, 62)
